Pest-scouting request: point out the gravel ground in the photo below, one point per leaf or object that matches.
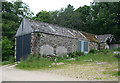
(91, 72)
(10, 73)
(71, 72)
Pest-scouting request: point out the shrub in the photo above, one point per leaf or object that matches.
(117, 49)
(30, 58)
(93, 51)
(45, 56)
(72, 54)
(105, 51)
(7, 50)
(11, 60)
(60, 57)
(66, 56)
(5, 63)
(117, 55)
(79, 53)
(75, 54)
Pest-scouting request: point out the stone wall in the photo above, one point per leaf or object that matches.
(113, 46)
(92, 45)
(104, 45)
(50, 44)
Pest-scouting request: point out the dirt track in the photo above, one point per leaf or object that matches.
(10, 73)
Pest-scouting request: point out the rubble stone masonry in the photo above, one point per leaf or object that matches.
(50, 44)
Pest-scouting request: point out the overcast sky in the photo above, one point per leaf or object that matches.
(51, 5)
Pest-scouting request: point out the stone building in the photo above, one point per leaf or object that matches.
(35, 37)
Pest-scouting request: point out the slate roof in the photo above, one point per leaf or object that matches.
(30, 26)
(104, 38)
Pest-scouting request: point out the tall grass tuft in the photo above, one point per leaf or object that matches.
(117, 49)
(101, 56)
(11, 61)
(35, 62)
(76, 54)
(41, 61)
(93, 51)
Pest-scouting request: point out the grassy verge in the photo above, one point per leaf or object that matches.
(34, 62)
(38, 62)
(102, 65)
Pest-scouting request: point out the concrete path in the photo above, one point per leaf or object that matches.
(10, 73)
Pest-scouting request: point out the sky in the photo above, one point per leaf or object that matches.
(51, 5)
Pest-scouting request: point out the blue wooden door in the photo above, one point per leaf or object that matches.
(23, 47)
(85, 46)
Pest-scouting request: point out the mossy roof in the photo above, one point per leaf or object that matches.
(90, 37)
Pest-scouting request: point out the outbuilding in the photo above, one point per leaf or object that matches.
(35, 37)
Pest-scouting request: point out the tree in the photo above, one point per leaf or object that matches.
(65, 15)
(98, 18)
(42, 16)
(105, 19)
(6, 49)
(25, 12)
(80, 17)
(11, 18)
(54, 17)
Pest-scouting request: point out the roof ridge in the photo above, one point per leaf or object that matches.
(59, 30)
(54, 24)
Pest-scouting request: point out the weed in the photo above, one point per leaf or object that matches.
(40, 62)
(105, 51)
(34, 62)
(116, 49)
(5, 63)
(10, 61)
(117, 55)
(93, 51)
(75, 54)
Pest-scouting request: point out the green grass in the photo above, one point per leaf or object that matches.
(37, 62)
(9, 62)
(0, 63)
(34, 62)
(5, 63)
(99, 57)
(83, 66)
